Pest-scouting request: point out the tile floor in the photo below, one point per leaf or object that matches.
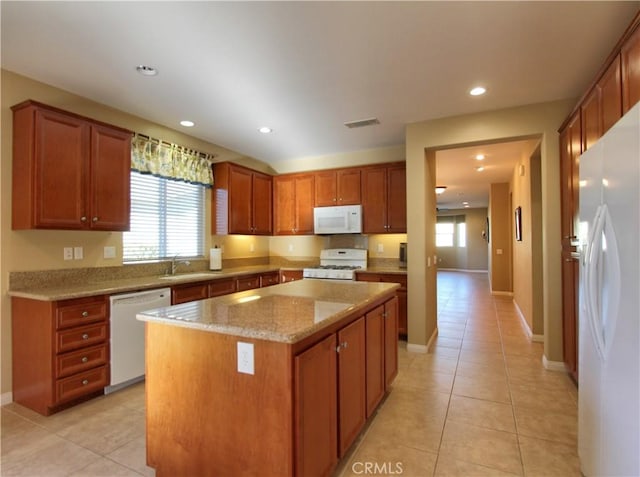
(479, 404)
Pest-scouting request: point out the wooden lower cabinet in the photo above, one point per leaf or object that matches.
(375, 344)
(189, 292)
(305, 404)
(268, 279)
(351, 383)
(316, 413)
(570, 284)
(401, 293)
(60, 351)
(290, 275)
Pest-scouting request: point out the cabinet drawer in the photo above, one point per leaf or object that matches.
(81, 337)
(80, 384)
(187, 293)
(290, 275)
(81, 360)
(222, 287)
(78, 312)
(269, 279)
(248, 283)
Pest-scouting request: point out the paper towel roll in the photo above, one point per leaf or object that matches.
(215, 259)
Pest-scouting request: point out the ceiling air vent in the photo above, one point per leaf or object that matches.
(362, 123)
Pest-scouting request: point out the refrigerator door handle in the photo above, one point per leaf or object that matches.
(610, 283)
(593, 283)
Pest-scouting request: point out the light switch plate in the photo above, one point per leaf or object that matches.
(109, 252)
(78, 253)
(380, 248)
(67, 253)
(245, 358)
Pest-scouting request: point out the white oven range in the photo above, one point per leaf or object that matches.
(338, 264)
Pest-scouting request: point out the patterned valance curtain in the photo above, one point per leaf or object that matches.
(162, 159)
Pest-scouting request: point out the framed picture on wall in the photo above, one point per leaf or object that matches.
(519, 224)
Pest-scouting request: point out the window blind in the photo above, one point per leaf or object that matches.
(167, 219)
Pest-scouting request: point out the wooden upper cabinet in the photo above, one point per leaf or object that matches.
(337, 187)
(570, 150)
(630, 59)
(591, 119)
(69, 172)
(242, 201)
(384, 202)
(610, 86)
(293, 204)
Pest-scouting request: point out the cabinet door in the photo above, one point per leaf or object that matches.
(630, 57)
(570, 150)
(290, 275)
(348, 186)
(351, 383)
(61, 167)
(397, 200)
(375, 344)
(110, 180)
(240, 201)
(611, 95)
(570, 272)
(304, 204)
(591, 119)
(403, 307)
(326, 189)
(185, 293)
(390, 341)
(284, 193)
(268, 279)
(374, 204)
(261, 209)
(316, 413)
(248, 283)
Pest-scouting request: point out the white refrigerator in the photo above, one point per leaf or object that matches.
(609, 311)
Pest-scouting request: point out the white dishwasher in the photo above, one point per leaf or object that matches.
(127, 334)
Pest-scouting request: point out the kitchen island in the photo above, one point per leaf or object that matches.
(277, 381)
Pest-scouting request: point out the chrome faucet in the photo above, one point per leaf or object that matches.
(175, 263)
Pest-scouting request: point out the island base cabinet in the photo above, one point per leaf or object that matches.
(316, 410)
(204, 417)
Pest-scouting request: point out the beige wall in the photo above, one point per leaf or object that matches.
(500, 238)
(474, 255)
(537, 120)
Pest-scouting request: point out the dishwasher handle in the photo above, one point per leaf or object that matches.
(141, 297)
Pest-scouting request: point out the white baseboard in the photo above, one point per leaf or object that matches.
(553, 365)
(416, 348)
(502, 293)
(434, 335)
(6, 398)
(523, 320)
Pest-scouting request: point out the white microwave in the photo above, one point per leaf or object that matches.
(344, 219)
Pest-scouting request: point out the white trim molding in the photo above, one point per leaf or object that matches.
(461, 270)
(502, 293)
(553, 365)
(416, 348)
(523, 320)
(6, 398)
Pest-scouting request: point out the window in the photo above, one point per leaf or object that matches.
(444, 234)
(167, 219)
(462, 234)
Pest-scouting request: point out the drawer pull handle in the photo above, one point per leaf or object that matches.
(83, 219)
(85, 336)
(85, 382)
(85, 313)
(95, 219)
(84, 359)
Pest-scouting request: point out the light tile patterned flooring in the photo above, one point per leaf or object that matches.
(479, 404)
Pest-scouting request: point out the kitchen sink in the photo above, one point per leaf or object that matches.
(188, 276)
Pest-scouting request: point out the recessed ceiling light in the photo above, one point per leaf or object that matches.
(440, 189)
(478, 91)
(466, 206)
(465, 203)
(146, 70)
(479, 168)
(187, 124)
(265, 130)
(479, 157)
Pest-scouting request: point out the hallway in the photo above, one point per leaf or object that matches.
(480, 403)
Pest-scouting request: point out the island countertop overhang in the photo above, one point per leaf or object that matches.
(285, 313)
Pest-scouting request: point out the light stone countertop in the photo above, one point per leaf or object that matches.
(123, 285)
(384, 269)
(285, 313)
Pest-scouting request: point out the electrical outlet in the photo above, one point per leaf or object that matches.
(290, 247)
(498, 251)
(109, 252)
(252, 247)
(380, 248)
(428, 261)
(78, 253)
(245, 358)
(68, 253)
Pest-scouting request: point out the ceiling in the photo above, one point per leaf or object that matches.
(306, 68)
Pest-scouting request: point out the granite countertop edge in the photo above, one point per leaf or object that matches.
(267, 335)
(111, 287)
